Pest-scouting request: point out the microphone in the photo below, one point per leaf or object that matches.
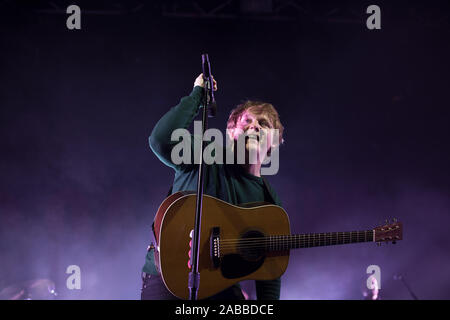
(209, 86)
(206, 66)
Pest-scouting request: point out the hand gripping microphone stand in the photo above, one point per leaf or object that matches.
(209, 110)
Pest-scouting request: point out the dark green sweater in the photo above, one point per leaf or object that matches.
(228, 182)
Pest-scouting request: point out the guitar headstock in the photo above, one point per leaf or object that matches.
(389, 232)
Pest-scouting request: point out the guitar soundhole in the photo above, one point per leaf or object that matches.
(249, 258)
(250, 247)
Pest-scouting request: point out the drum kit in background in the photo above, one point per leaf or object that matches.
(38, 289)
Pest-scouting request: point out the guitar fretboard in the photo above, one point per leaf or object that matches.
(308, 240)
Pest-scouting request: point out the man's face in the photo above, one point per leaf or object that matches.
(257, 129)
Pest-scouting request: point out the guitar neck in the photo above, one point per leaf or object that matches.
(308, 240)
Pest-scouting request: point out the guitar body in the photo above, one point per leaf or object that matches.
(231, 224)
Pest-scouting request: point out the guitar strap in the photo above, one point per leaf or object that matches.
(266, 185)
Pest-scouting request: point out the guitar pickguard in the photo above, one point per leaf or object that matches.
(235, 266)
(248, 259)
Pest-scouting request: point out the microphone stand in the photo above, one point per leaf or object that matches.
(402, 279)
(209, 110)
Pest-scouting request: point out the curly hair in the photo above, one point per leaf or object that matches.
(257, 107)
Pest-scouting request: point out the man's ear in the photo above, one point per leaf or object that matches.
(275, 143)
(273, 146)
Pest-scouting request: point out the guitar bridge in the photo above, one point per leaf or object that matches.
(214, 241)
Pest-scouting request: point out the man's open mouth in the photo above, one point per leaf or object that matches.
(254, 137)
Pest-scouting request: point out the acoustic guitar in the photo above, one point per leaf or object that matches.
(237, 243)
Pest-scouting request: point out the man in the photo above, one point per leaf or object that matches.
(236, 183)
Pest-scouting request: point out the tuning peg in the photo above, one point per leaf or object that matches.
(394, 220)
(379, 244)
(386, 221)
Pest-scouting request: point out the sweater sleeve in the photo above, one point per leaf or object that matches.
(179, 117)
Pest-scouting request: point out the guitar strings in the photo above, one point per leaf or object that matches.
(263, 243)
(313, 235)
(283, 238)
(279, 244)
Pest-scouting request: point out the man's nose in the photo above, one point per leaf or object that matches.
(255, 126)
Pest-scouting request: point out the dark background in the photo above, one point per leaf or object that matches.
(366, 118)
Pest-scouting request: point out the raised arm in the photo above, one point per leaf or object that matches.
(178, 117)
